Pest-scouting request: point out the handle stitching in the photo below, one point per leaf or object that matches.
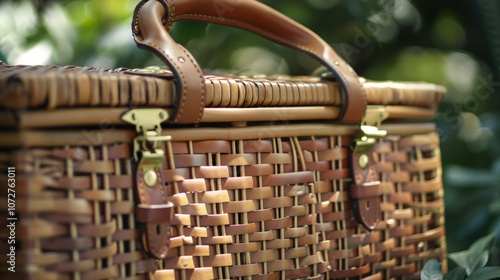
(298, 46)
(181, 73)
(183, 78)
(171, 17)
(179, 69)
(202, 78)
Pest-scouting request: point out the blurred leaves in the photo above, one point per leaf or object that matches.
(447, 31)
(473, 193)
(82, 32)
(485, 273)
(461, 177)
(455, 274)
(471, 263)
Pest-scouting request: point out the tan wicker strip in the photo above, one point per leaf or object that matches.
(61, 87)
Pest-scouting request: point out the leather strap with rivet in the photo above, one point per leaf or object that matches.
(365, 191)
(153, 211)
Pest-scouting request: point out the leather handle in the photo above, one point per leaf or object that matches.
(150, 34)
(151, 25)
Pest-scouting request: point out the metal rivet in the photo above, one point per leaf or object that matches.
(184, 264)
(363, 161)
(336, 62)
(181, 59)
(150, 178)
(329, 267)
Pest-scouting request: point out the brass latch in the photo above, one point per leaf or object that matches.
(154, 71)
(370, 129)
(147, 145)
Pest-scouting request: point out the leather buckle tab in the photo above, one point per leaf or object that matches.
(154, 214)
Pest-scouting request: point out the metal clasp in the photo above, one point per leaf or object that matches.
(147, 145)
(153, 209)
(370, 129)
(154, 71)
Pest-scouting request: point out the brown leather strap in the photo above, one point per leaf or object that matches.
(365, 193)
(249, 15)
(190, 85)
(155, 213)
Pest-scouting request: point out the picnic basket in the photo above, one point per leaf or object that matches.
(168, 173)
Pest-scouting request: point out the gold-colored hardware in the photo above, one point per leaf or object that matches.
(146, 120)
(150, 178)
(147, 145)
(374, 116)
(363, 161)
(239, 124)
(151, 70)
(369, 130)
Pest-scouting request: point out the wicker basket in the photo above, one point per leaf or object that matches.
(273, 179)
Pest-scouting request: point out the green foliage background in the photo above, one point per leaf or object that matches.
(453, 43)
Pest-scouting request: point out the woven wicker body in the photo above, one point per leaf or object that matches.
(264, 200)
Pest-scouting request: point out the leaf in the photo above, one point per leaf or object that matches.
(485, 273)
(457, 273)
(431, 271)
(462, 260)
(483, 244)
(476, 256)
(469, 261)
(495, 252)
